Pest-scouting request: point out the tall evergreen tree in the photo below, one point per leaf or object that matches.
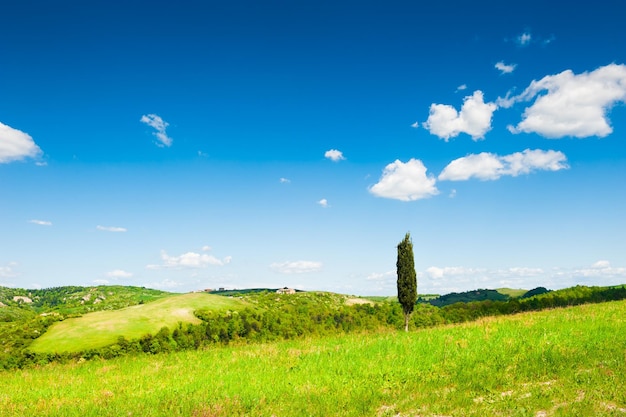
(407, 278)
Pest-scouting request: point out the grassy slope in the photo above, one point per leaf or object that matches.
(557, 362)
(102, 328)
(512, 292)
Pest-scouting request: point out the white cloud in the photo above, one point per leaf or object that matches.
(160, 126)
(323, 202)
(474, 118)
(443, 280)
(488, 166)
(296, 267)
(284, 181)
(119, 273)
(601, 264)
(101, 281)
(383, 277)
(405, 181)
(8, 270)
(16, 145)
(415, 125)
(601, 269)
(113, 229)
(334, 155)
(166, 284)
(567, 104)
(462, 87)
(504, 68)
(189, 260)
(40, 222)
(524, 39)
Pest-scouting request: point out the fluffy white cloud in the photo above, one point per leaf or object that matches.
(16, 145)
(462, 87)
(474, 118)
(488, 166)
(40, 222)
(504, 68)
(435, 272)
(119, 273)
(334, 155)
(384, 276)
(160, 126)
(284, 180)
(113, 229)
(601, 269)
(296, 267)
(323, 202)
(405, 181)
(189, 260)
(567, 104)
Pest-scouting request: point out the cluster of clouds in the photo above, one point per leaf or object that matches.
(565, 104)
(189, 260)
(442, 280)
(562, 105)
(160, 127)
(16, 145)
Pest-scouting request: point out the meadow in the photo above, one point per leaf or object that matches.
(102, 328)
(566, 361)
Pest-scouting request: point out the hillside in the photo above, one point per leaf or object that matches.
(70, 300)
(174, 322)
(103, 328)
(560, 362)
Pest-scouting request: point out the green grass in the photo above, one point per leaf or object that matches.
(512, 292)
(102, 328)
(563, 362)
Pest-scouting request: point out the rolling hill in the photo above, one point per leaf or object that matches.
(102, 328)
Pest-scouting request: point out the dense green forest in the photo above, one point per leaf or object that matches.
(267, 316)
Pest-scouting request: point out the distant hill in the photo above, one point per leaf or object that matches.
(78, 300)
(467, 297)
(103, 328)
(512, 292)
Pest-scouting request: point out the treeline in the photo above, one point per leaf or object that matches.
(77, 300)
(275, 317)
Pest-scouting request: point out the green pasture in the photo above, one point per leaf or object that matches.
(561, 362)
(512, 292)
(103, 328)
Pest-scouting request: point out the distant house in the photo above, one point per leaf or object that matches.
(285, 291)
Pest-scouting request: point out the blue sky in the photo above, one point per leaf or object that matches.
(204, 144)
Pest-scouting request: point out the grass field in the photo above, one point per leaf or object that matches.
(563, 362)
(102, 328)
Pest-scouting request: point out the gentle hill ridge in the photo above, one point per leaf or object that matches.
(103, 328)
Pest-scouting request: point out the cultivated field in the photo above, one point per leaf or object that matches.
(561, 362)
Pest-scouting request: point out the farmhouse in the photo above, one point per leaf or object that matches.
(285, 291)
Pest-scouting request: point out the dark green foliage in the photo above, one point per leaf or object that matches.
(407, 278)
(467, 297)
(535, 291)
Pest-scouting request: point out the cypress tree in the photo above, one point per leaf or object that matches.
(407, 278)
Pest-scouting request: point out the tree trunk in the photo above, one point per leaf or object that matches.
(406, 322)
